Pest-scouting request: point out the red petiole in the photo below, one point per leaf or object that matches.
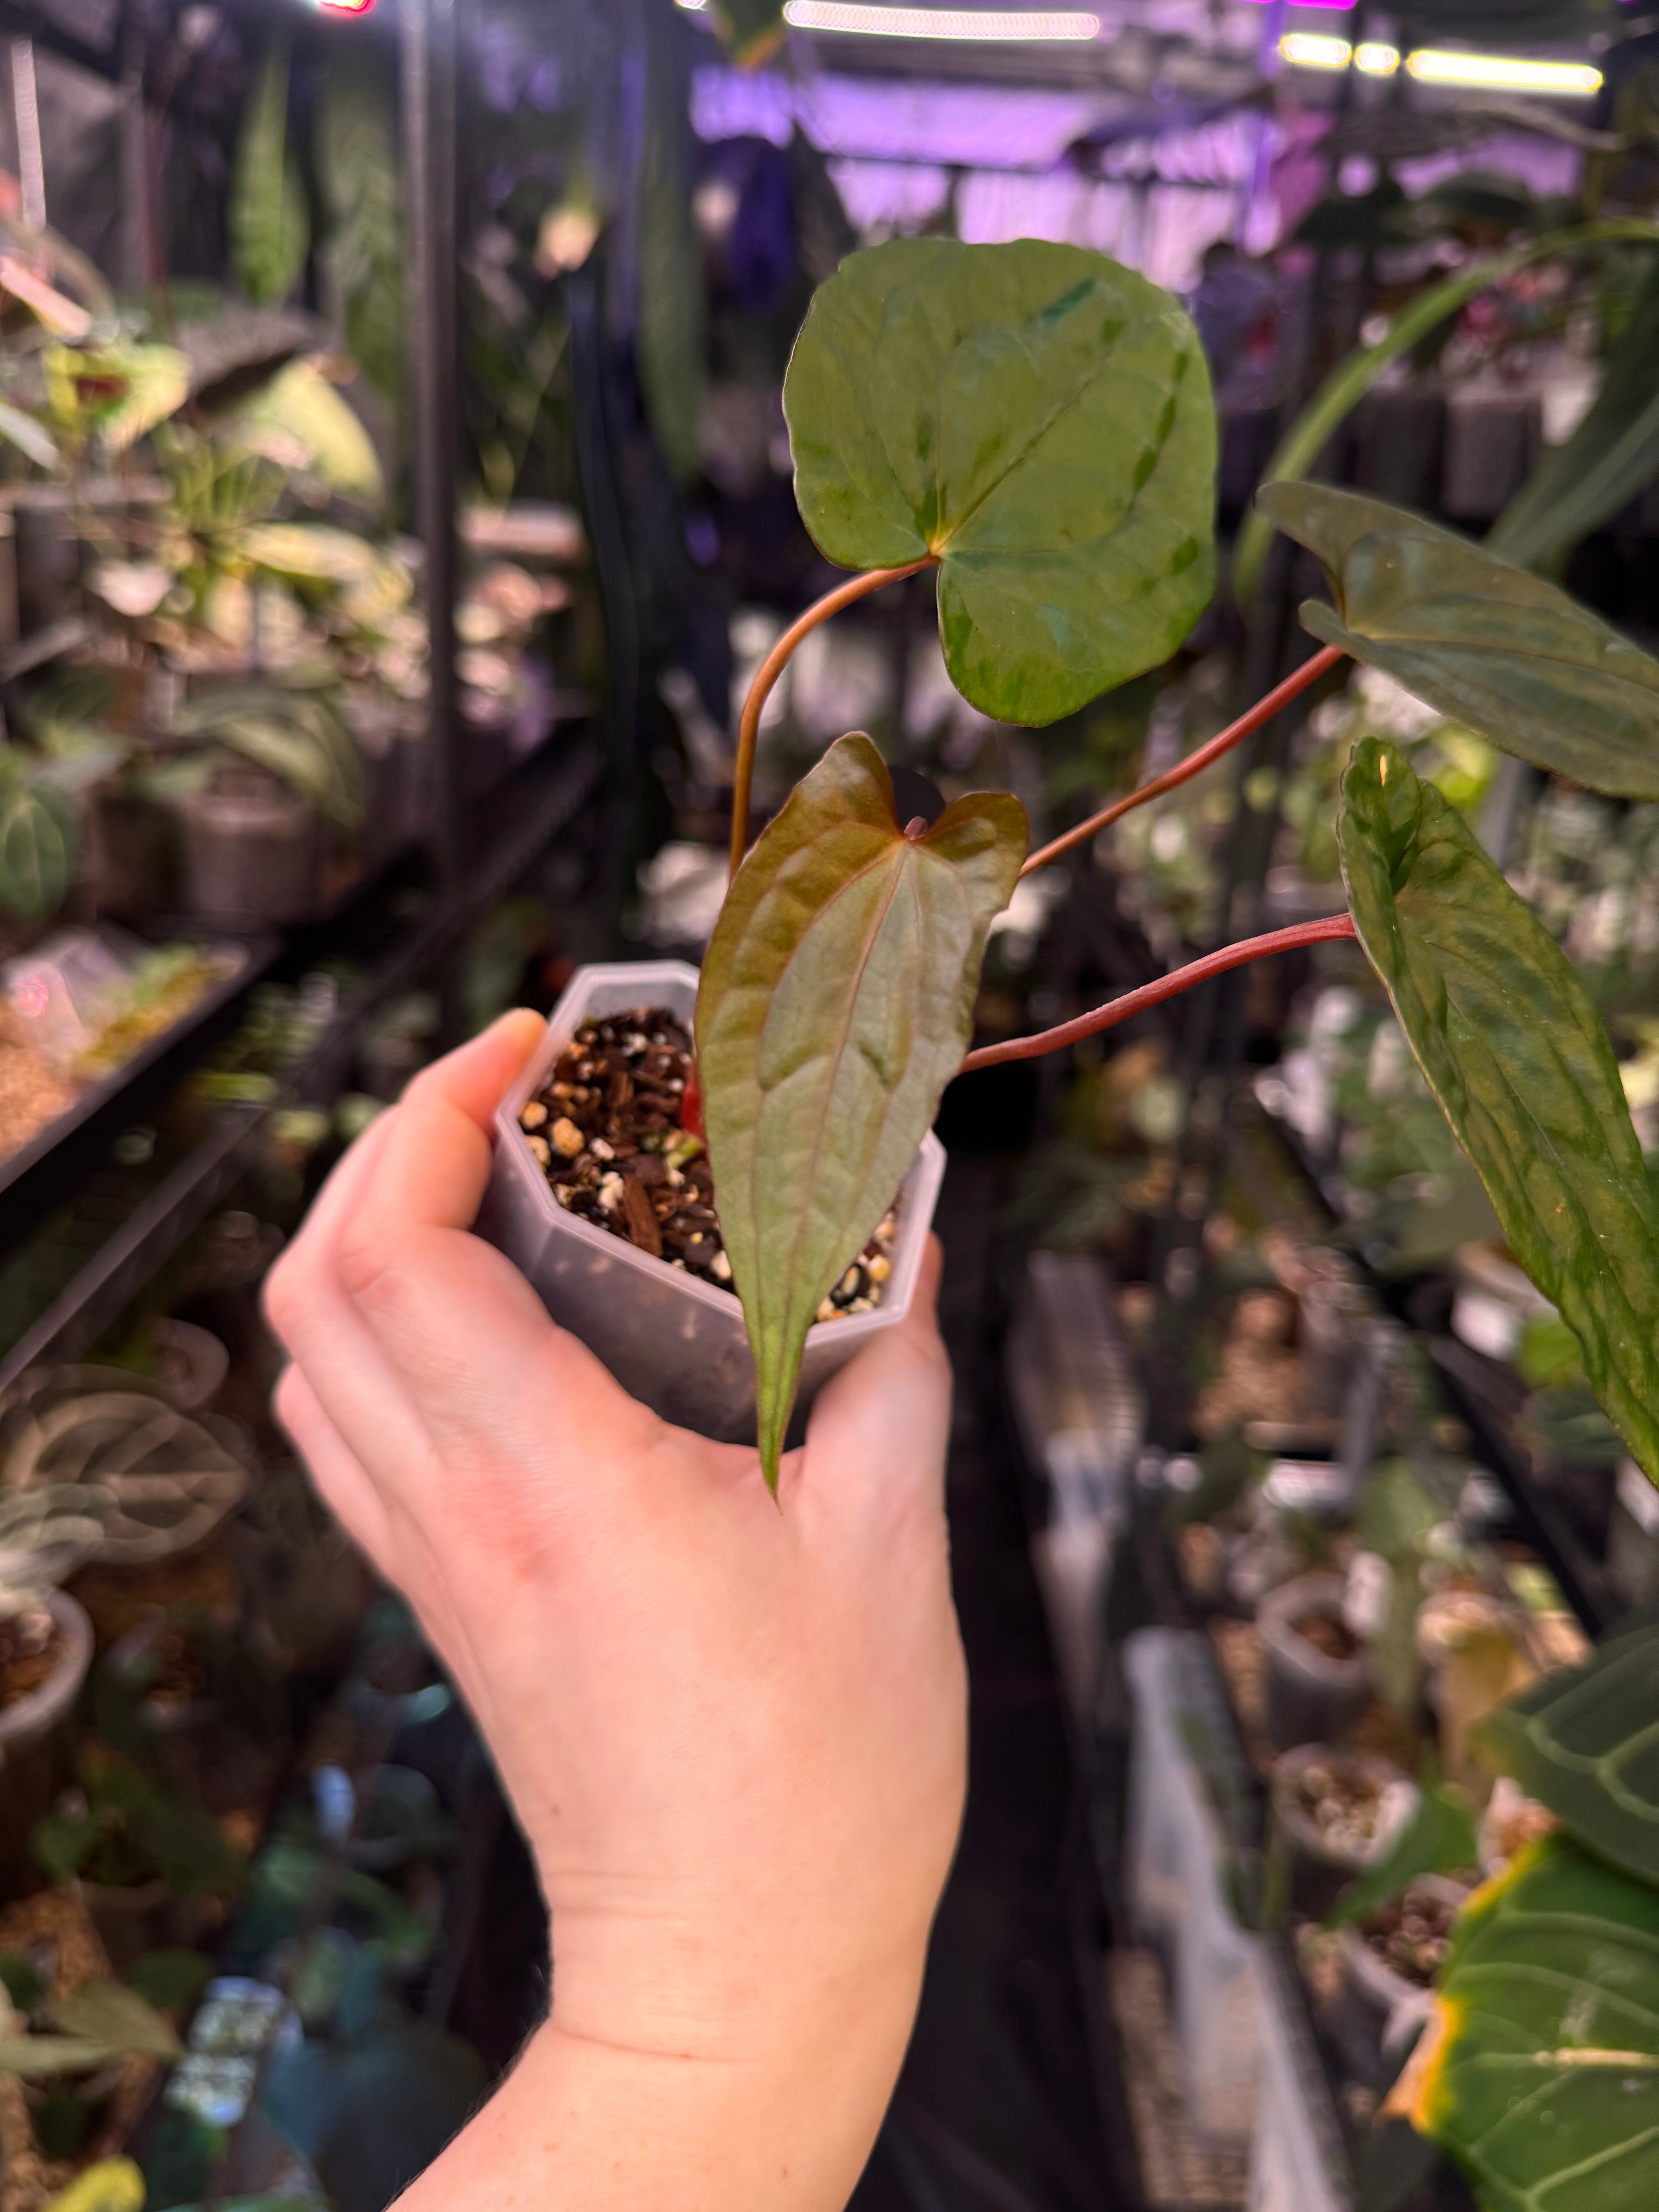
(1133, 1002)
(1167, 987)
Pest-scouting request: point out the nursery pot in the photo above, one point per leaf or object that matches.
(677, 1343)
(253, 853)
(1377, 2009)
(37, 1745)
(1312, 1696)
(1322, 1864)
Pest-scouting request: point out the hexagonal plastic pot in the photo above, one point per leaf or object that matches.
(677, 1343)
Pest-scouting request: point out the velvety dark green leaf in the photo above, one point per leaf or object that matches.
(1439, 1839)
(39, 839)
(835, 1003)
(1538, 2070)
(1585, 1742)
(1351, 379)
(269, 220)
(1040, 419)
(109, 2012)
(1504, 652)
(1612, 456)
(1492, 646)
(1515, 1055)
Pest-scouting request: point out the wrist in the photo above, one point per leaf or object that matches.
(789, 2123)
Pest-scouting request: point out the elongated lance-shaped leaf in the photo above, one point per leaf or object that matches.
(1539, 2070)
(836, 1001)
(1353, 378)
(1504, 652)
(1521, 1065)
(1612, 456)
(1038, 418)
(269, 222)
(1585, 1742)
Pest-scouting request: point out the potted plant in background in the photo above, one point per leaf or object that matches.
(45, 1648)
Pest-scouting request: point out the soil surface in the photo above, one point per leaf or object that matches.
(31, 1643)
(608, 1129)
(1328, 1635)
(1344, 1803)
(1412, 1935)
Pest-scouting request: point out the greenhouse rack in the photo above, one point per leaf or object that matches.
(1468, 1381)
(160, 1225)
(43, 1172)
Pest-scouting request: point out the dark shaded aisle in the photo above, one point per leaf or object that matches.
(999, 2108)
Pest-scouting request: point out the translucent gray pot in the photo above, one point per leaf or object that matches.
(677, 1343)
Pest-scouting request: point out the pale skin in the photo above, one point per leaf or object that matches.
(734, 1731)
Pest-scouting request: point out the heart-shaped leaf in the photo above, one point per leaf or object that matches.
(1521, 1065)
(836, 1002)
(1039, 419)
(1492, 646)
(1584, 1743)
(1539, 2070)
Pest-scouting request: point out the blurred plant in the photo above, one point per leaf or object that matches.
(268, 219)
(123, 1829)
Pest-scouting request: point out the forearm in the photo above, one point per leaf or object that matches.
(581, 2126)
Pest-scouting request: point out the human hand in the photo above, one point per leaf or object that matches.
(734, 1731)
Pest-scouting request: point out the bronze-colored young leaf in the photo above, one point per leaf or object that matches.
(1521, 1065)
(1502, 651)
(1585, 1743)
(1038, 418)
(835, 1003)
(1539, 2070)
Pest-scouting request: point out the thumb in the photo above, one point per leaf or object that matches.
(881, 1427)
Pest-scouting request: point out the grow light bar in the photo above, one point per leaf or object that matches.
(991, 25)
(1436, 65)
(999, 26)
(1506, 72)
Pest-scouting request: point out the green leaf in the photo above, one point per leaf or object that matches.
(1612, 456)
(1038, 419)
(1439, 1839)
(299, 421)
(38, 841)
(314, 552)
(170, 1980)
(270, 223)
(110, 2013)
(1514, 1054)
(835, 1003)
(358, 172)
(1351, 379)
(1538, 2070)
(1585, 1742)
(1503, 651)
(24, 1986)
(42, 2057)
(119, 391)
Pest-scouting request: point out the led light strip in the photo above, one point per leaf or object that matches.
(1435, 65)
(1001, 26)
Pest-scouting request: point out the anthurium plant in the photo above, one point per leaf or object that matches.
(1035, 423)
